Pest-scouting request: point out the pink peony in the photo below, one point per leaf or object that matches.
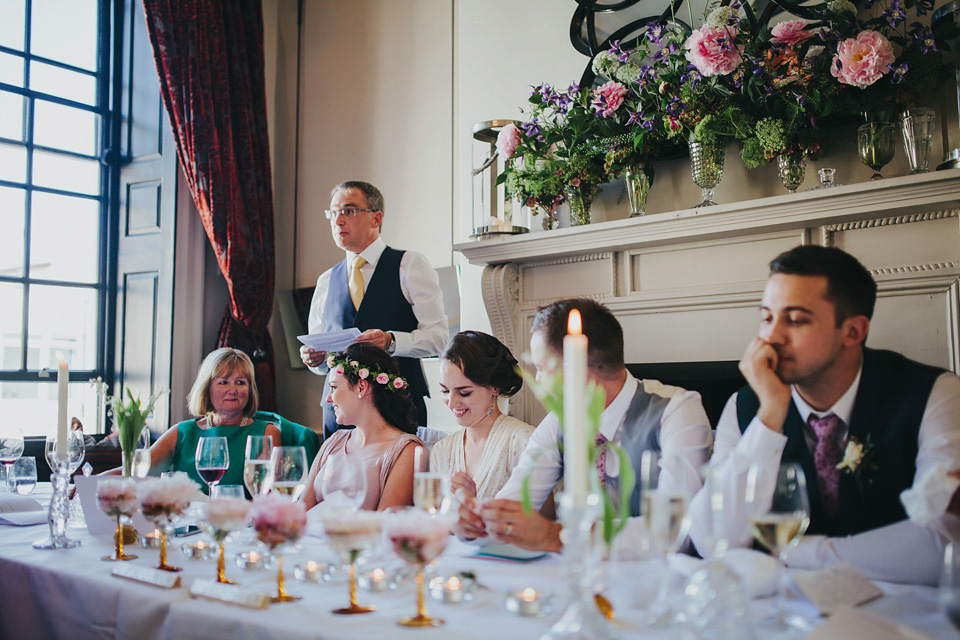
(383, 378)
(507, 140)
(863, 60)
(791, 33)
(608, 97)
(712, 51)
(226, 514)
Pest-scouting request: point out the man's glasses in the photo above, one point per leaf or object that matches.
(350, 212)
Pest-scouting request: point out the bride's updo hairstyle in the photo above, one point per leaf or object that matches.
(391, 395)
(485, 361)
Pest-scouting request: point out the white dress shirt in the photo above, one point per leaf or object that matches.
(685, 441)
(899, 552)
(421, 288)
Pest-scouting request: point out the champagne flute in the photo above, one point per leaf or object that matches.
(256, 464)
(11, 448)
(212, 459)
(432, 492)
(343, 482)
(288, 471)
(418, 538)
(779, 511)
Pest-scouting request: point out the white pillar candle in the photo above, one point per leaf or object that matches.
(63, 375)
(575, 411)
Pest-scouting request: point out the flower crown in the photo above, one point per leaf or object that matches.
(338, 363)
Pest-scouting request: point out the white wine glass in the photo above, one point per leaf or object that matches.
(288, 471)
(778, 507)
(11, 448)
(256, 464)
(666, 523)
(212, 460)
(343, 482)
(75, 450)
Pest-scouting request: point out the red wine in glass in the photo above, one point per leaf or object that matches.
(213, 460)
(211, 476)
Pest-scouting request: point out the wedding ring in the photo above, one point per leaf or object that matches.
(509, 530)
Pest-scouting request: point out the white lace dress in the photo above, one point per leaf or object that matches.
(506, 441)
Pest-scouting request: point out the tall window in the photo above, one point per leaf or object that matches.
(53, 209)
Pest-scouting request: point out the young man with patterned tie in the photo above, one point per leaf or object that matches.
(392, 296)
(813, 388)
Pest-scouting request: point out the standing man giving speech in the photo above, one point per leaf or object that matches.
(392, 296)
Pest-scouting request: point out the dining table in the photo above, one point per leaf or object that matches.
(72, 594)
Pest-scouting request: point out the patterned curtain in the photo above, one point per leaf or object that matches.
(209, 56)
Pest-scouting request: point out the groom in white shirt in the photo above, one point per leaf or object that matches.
(814, 388)
(638, 414)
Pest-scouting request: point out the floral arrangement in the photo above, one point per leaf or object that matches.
(223, 515)
(277, 520)
(130, 417)
(417, 537)
(117, 496)
(341, 365)
(163, 498)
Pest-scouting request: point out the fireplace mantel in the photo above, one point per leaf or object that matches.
(685, 284)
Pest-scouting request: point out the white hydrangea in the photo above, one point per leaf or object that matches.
(627, 74)
(723, 16)
(605, 64)
(841, 6)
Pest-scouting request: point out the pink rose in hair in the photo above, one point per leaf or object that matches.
(507, 140)
(330, 362)
(863, 60)
(608, 97)
(363, 373)
(338, 371)
(398, 383)
(791, 33)
(712, 50)
(383, 378)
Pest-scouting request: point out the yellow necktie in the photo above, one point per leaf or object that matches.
(355, 282)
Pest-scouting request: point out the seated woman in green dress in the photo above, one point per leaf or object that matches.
(224, 401)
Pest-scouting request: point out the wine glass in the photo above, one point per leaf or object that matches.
(665, 522)
(876, 142)
(212, 459)
(351, 533)
(288, 471)
(432, 492)
(24, 474)
(117, 497)
(279, 523)
(418, 538)
(11, 448)
(256, 464)
(950, 585)
(343, 482)
(221, 517)
(778, 508)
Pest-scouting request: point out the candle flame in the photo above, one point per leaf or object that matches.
(529, 594)
(574, 324)
(312, 566)
(453, 583)
(378, 574)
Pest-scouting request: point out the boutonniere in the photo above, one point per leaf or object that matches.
(857, 456)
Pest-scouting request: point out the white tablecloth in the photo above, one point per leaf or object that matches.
(71, 594)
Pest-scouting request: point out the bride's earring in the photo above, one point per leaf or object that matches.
(490, 408)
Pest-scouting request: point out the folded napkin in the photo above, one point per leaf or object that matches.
(757, 570)
(930, 495)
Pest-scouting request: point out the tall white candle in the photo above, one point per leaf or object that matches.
(63, 375)
(575, 461)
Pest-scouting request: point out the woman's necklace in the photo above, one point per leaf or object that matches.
(213, 422)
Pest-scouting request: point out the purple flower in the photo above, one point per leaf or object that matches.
(531, 129)
(895, 14)
(899, 73)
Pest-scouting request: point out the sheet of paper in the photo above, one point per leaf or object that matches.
(836, 587)
(99, 523)
(21, 510)
(331, 340)
(856, 624)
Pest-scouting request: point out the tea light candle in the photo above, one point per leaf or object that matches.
(251, 561)
(309, 572)
(528, 602)
(452, 590)
(151, 540)
(199, 550)
(376, 581)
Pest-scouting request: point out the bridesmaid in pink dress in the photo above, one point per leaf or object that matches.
(367, 391)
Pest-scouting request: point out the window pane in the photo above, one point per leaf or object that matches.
(63, 320)
(69, 174)
(64, 83)
(11, 116)
(13, 162)
(60, 127)
(12, 24)
(65, 31)
(12, 216)
(11, 69)
(11, 321)
(64, 238)
(33, 405)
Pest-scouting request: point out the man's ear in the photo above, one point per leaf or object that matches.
(377, 219)
(855, 330)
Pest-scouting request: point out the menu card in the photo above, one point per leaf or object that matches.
(836, 587)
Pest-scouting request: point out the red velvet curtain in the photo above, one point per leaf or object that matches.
(209, 57)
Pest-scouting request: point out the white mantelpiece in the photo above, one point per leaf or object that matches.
(685, 284)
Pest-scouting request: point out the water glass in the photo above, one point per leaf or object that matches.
(24, 475)
(11, 448)
(916, 127)
(228, 491)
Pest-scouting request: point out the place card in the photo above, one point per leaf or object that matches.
(146, 575)
(229, 594)
(857, 624)
(836, 587)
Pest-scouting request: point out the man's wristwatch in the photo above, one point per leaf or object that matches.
(393, 344)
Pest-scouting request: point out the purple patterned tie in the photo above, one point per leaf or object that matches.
(826, 457)
(601, 457)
